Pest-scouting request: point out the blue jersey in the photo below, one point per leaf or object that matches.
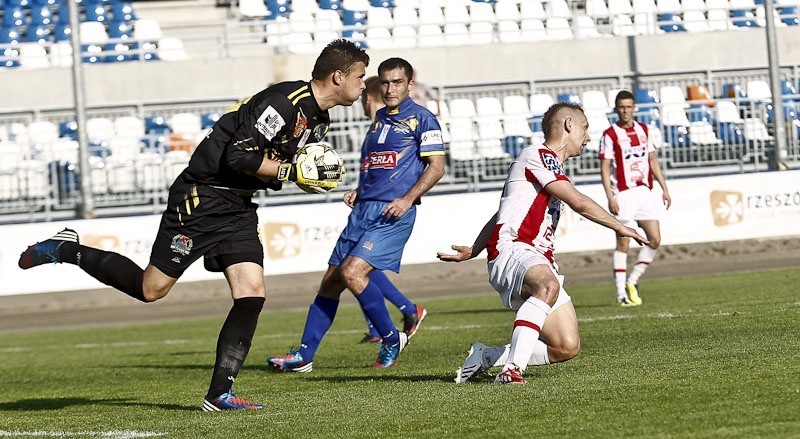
(392, 156)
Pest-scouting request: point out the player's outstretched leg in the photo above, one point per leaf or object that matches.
(233, 345)
(474, 364)
(47, 251)
(319, 320)
(412, 314)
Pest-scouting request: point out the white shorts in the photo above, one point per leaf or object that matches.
(637, 204)
(507, 271)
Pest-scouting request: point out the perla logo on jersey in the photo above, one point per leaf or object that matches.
(383, 160)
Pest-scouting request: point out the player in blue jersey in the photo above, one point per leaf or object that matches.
(402, 159)
(372, 101)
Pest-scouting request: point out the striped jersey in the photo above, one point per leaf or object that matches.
(629, 151)
(275, 123)
(528, 213)
(394, 150)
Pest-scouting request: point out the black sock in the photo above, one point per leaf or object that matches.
(234, 343)
(109, 268)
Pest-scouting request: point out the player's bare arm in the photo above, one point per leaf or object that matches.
(432, 174)
(659, 176)
(590, 210)
(350, 198)
(465, 253)
(605, 177)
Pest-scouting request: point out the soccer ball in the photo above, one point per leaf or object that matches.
(322, 154)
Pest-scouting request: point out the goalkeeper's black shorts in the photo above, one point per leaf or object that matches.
(202, 220)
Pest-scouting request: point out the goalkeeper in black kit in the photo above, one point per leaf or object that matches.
(209, 211)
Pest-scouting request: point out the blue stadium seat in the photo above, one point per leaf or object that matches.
(646, 100)
(645, 96)
(572, 98)
(120, 29)
(730, 133)
(354, 18)
(122, 11)
(68, 128)
(9, 57)
(38, 34)
(789, 15)
(207, 120)
(733, 91)
(382, 3)
(676, 136)
(156, 129)
(331, 4)
(14, 16)
(536, 124)
(121, 52)
(99, 149)
(279, 7)
(17, 3)
(670, 23)
(789, 91)
(41, 15)
(62, 32)
(45, 2)
(514, 144)
(9, 34)
(743, 18)
(95, 11)
(699, 113)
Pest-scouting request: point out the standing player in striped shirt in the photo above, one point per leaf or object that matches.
(627, 166)
(520, 240)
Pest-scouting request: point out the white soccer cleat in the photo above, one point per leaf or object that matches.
(473, 365)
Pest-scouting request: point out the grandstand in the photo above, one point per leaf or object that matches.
(159, 74)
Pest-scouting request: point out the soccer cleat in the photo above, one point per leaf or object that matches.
(291, 362)
(624, 301)
(633, 293)
(412, 321)
(473, 365)
(228, 401)
(369, 338)
(510, 376)
(46, 252)
(388, 354)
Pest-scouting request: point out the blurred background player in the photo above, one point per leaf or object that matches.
(520, 240)
(627, 166)
(402, 159)
(413, 315)
(210, 213)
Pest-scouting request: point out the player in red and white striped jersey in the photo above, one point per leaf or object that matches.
(520, 243)
(628, 165)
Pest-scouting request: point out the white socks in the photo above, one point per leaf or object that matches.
(646, 255)
(620, 264)
(494, 357)
(530, 319)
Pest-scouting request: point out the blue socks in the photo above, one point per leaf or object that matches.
(391, 293)
(319, 320)
(371, 300)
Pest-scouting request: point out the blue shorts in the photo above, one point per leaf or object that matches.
(373, 238)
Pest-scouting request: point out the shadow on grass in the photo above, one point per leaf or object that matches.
(383, 378)
(502, 311)
(43, 404)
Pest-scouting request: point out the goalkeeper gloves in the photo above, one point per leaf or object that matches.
(309, 173)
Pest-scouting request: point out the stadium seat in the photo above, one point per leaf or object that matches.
(481, 32)
(695, 21)
(508, 31)
(558, 8)
(68, 128)
(100, 129)
(754, 130)
(596, 8)
(456, 34)
(648, 106)
(279, 7)
(676, 136)
(147, 32)
(789, 15)
(129, 126)
(532, 9)
(187, 128)
(41, 15)
(253, 9)
(38, 34)
(558, 28)
(14, 16)
(171, 49)
(431, 14)
(508, 10)
(670, 23)
(95, 11)
(10, 35)
(430, 35)
(456, 14)
(482, 12)
(404, 37)
(733, 91)
(540, 102)
(699, 94)
(33, 56)
(622, 25)
(702, 133)
(122, 10)
(585, 27)
(207, 120)
(382, 3)
(43, 131)
(595, 100)
(532, 29)
(743, 18)
(569, 97)
(619, 7)
(379, 38)
(669, 6)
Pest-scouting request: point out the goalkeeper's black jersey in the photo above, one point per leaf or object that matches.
(274, 123)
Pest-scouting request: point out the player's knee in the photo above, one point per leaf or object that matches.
(546, 291)
(654, 242)
(351, 275)
(568, 349)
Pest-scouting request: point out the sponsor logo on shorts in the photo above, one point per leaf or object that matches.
(181, 244)
(727, 208)
(270, 122)
(368, 245)
(383, 160)
(283, 240)
(431, 138)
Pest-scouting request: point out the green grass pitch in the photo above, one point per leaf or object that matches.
(706, 357)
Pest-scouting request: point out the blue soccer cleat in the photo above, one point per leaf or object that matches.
(228, 401)
(46, 252)
(388, 354)
(291, 362)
